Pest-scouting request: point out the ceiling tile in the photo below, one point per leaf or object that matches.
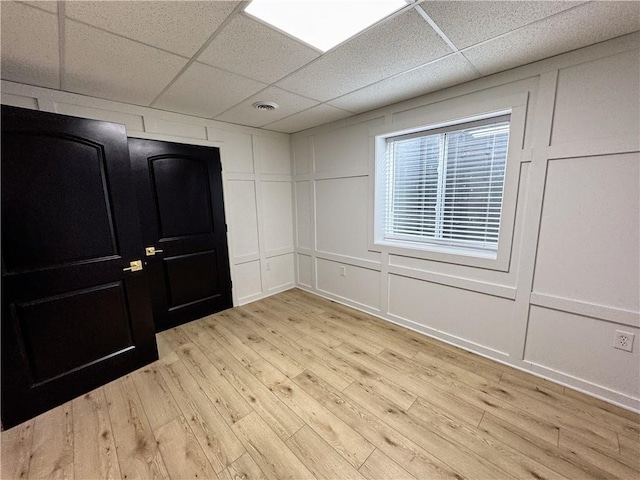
(179, 27)
(50, 5)
(245, 114)
(29, 45)
(104, 65)
(313, 117)
(252, 49)
(396, 45)
(206, 91)
(440, 74)
(468, 23)
(584, 25)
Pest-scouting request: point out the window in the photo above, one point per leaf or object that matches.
(442, 188)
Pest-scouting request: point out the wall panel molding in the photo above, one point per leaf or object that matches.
(346, 259)
(495, 290)
(279, 252)
(594, 147)
(587, 309)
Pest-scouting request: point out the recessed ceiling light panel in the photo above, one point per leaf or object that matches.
(322, 24)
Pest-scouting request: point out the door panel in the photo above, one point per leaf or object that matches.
(91, 323)
(72, 318)
(191, 278)
(180, 197)
(69, 218)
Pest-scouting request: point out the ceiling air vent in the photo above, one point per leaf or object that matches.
(266, 106)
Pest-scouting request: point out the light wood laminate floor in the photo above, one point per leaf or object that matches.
(295, 386)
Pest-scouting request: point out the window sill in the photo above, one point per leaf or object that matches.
(441, 248)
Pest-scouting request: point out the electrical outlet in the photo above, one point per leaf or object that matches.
(623, 340)
(268, 266)
(343, 271)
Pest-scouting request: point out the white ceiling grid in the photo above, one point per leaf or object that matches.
(209, 59)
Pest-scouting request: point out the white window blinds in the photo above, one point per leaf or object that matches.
(445, 186)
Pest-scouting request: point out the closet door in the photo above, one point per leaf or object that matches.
(75, 314)
(180, 198)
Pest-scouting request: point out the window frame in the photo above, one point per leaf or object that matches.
(430, 243)
(418, 121)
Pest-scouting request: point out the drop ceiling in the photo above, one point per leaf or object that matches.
(211, 60)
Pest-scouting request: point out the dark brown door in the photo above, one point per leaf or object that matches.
(72, 317)
(179, 191)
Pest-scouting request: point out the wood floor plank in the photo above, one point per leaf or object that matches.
(366, 327)
(234, 345)
(93, 443)
(525, 380)
(174, 337)
(245, 468)
(294, 313)
(357, 367)
(272, 410)
(539, 390)
(157, 401)
(264, 325)
(380, 467)
(423, 342)
(630, 451)
(395, 445)
(405, 377)
(557, 414)
(346, 441)
(452, 371)
(199, 334)
(266, 350)
(456, 356)
(453, 454)
(181, 451)
(225, 398)
(16, 451)
(498, 453)
(290, 304)
(268, 450)
(448, 353)
(216, 439)
(544, 429)
(604, 458)
(52, 447)
(164, 347)
(138, 454)
(570, 466)
(318, 456)
(294, 297)
(357, 370)
(298, 321)
(602, 405)
(370, 332)
(299, 386)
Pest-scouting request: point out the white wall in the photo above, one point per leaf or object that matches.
(571, 275)
(256, 179)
